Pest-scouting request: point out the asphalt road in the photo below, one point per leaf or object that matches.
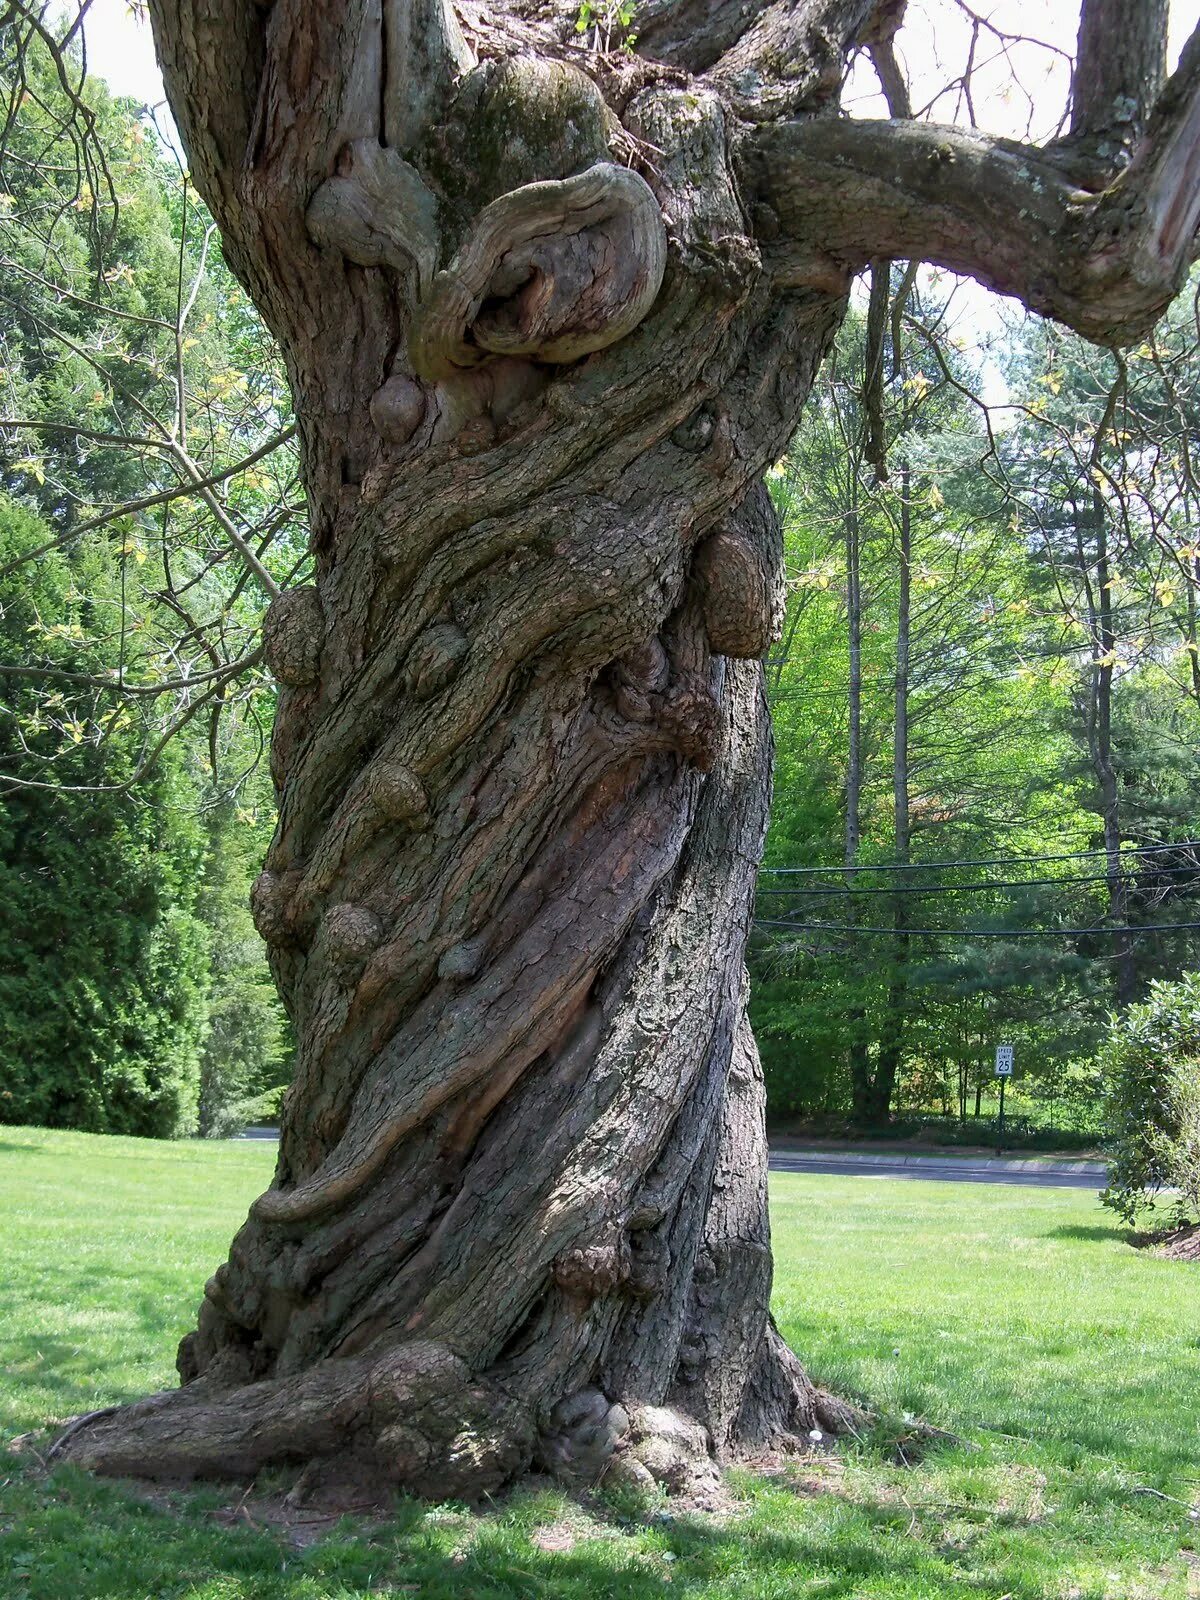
(960, 1169)
(1033, 1174)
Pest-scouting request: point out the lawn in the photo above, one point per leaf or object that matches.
(1018, 1318)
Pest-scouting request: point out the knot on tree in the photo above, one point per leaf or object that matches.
(396, 794)
(397, 408)
(649, 1264)
(349, 935)
(665, 1447)
(378, 211)
(587, 1272)
(684, 713)
(293, 633)
(552, 271)
(695, 435)
(271, 899)
(583, 1432)
(738, 571)
(435, 659)
(690, 717)
(641, 675)
(462, 961)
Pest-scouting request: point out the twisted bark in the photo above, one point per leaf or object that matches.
(546, 328)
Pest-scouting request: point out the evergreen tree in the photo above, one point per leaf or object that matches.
(103, 970)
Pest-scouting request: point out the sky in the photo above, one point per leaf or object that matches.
(121, 51)
(934, 43)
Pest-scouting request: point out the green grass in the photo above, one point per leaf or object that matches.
(1016, 1317)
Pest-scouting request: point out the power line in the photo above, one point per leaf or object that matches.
(993, 861)
(972, 888)
(975, 933)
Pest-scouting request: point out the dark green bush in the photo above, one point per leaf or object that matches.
(103, 964)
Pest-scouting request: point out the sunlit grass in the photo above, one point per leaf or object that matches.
(107, 1243)
(1014, 1309)
(1016, 1317)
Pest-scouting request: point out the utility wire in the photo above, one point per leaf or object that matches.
(993, 861)
(833, 891)
(975, 933)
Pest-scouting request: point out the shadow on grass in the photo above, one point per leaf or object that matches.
(1096, 1232)
(70, 1535)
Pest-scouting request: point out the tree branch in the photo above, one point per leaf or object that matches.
(1107, 265)
(768, 57)
(211, 53)
(425, 52)
(117, 685)
(1120, 65)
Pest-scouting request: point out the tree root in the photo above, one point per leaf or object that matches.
(416, 1419)
(412, 1419)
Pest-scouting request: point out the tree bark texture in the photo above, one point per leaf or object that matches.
(548, 315)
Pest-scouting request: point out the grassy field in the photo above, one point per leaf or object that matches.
(1017, 1318)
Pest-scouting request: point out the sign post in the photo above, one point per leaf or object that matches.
(1004, 1066)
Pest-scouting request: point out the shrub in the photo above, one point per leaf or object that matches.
(1152, 1062)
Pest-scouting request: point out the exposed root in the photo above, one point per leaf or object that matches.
(416, 1419)
(783, 1408)
(412, 1419)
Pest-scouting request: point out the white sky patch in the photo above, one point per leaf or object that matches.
(1021, 94)
(121, 51)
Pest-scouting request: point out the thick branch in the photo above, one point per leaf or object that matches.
(792, 57)
(1106, 265)
(211, 53)
(425, 51)
(696, 34)
(1120, 65)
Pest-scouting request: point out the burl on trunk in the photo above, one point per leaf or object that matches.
(548, 315)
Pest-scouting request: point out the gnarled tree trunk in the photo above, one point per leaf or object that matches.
(548, 316)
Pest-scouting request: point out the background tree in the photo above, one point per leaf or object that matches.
(958, 760)
(133, 367)
(245, 1058)
(548, 316)
(104, 973)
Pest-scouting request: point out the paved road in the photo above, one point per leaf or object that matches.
(955, 1169)
(975, 1169)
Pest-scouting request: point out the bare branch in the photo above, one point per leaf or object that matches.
(116, 683)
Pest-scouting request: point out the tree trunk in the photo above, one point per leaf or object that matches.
(548, 316)
(522, 756)
(1104, 654)
(891, 1044)
(859, 1054)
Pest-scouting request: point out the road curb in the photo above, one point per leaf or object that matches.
(995, 1169)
